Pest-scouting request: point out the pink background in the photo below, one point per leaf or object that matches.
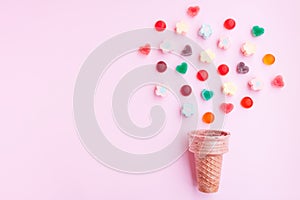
(42, 47)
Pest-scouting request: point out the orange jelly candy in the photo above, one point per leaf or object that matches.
(268, 59)
(208, 117)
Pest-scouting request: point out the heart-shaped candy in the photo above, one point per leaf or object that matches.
(278, 81)
(182, 68)
(145, 50)
(207, 94)
(193, 11)
(187, 51)
(257, 31)
(241, 68)
(226, 107)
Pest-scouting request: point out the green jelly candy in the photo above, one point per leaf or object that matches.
(182, 68)
(207, 94)
(257, 31)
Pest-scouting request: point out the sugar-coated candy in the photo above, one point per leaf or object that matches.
(242, 68)
(186, 90)
(187, 51)
(161, 66)
(229, 89)
(257, 31)
(160, 91)
(160, 25)
(207, 94)
(182, 68)
(223, 42)
(181, 27)
(256, 84)
(229, 24)
(193, 11)
(208, 117)
(278, 81)
(247, 102)
(145, 50)
(268, 59)
(166, 46)
(188, 110)
(226, 107)
(202, 75)
(207, 56)
(223, 69)
(205, 31)
(248, 49)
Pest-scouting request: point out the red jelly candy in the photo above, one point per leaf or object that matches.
(278, 81)
(202, 75)
(145, 49)
(193, 11)
(226, 107)
(247, 102)
(229, 24)
(160, 25)
(223, 69)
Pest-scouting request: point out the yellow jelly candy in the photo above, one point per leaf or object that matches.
(268, 59)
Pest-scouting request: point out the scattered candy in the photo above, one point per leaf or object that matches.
(205, 31)
(160, 25)
(223, 69)
(160, 91)
(229, 24)
(247, 102)
(229, 89)
(207, 56)
(226, 107)
(268, 59)
(241, 68)
(223, 42)
(193, 11)
(181, 27)
(186, 90)
(161, 66)
(248, 49)
(187, 51)
(182, 68)
(278, 81)
(257, 31)
(208, 117)
(188, 109)
(202, 75)
(256, 84)
(207, 94)
(166, 47)
(145, 50)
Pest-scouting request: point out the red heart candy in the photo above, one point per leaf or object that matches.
(145, 49)
(193, 11)
(278, 81)
(226, 107)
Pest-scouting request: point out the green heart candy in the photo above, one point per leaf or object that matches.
(182, 68)
(207, 94)
(257, 31)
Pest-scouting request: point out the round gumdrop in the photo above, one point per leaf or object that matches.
(229, 24)
(202, 75)
(208, 117)
(268, 59)
(223, 69)
(160, 25)
(247, 102)
(161, 66)
(186, 90)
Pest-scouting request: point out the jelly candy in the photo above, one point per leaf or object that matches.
(160, 91)
(208, 117)
(193, 11)
(205, 31)
(278, 81)
(223, 69)
(207, 94)
(187, 50)
(268, 59)
(186, 90)
(246, 102)
(223, 43)
(256, 84)
(257, 31)
(166, 47)
(145, 49)
(182, 68)
(202, 75)
(226, 107)
(229, 24)
(160, 25)
(207, 56)
(188, 109)
(229, 89)
(161, 66)
(248, 49)
(241, 68)
(181, 27)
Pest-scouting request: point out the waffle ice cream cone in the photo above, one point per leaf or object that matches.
(208, 147)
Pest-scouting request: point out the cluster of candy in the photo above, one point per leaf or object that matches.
(207, 56)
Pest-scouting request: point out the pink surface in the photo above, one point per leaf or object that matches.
(42, 47)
